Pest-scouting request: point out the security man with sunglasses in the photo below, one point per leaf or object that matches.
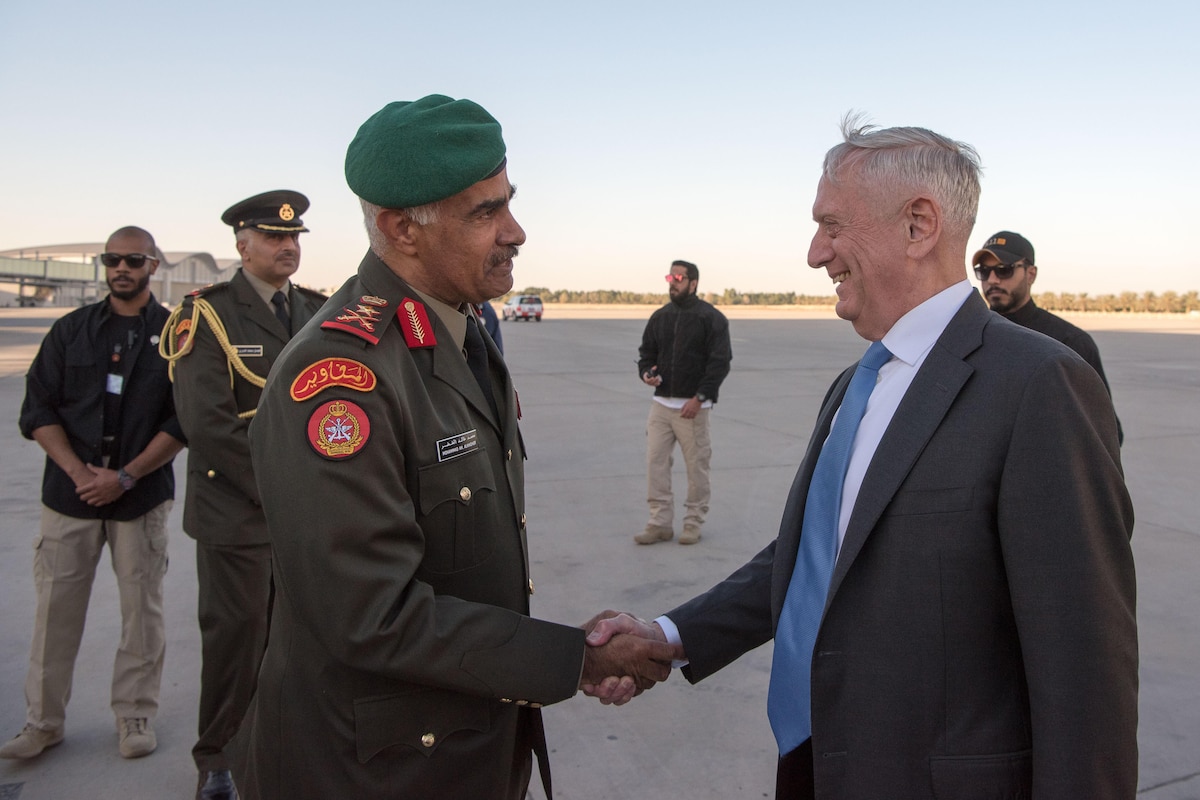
(221, 342)
(1006, 272)
(685, 355)
(98, 401)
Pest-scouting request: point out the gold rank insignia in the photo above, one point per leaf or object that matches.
(414, 321)
(338, 429)
(286, 212)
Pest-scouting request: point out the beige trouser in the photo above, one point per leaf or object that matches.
(64, 566)
(664, 428)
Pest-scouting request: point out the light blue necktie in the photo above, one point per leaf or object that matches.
(789, 704)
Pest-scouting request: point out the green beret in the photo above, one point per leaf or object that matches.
(412, 153)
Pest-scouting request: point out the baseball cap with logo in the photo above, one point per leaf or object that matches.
(1007, 246)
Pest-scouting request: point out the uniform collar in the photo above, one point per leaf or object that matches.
(263, 289)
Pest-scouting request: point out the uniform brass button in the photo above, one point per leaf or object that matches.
(522, 702)
(510, 455)
(535, 705)
(212, 473)
(531, 585)
(465, 494)
(505, 700)
(428, 740)
(522, 520)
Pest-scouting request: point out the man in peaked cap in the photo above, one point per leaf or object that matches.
(1006, 271)
(403, 660)
(225, 338)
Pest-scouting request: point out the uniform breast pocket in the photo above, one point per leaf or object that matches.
(458, 512)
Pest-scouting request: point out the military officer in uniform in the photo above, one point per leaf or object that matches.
(222, 341)
(403, 661)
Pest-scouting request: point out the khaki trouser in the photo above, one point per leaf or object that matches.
(664, 428)
(64, 566)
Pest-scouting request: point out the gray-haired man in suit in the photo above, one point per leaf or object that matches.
(974, 616)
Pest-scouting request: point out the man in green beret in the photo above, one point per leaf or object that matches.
(403, 661)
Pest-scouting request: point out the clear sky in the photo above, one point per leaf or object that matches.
(638, 132)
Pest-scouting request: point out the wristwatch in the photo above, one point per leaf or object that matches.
(126, 480)
(701, 396)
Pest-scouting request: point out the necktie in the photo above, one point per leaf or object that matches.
(477, 360)
(280, 302)
(789, 704)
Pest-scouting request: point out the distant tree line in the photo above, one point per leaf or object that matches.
(730, 297)
(1165, 303)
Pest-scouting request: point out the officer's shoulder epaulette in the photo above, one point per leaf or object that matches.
(368, 318)
(206, 291)
(312, 293)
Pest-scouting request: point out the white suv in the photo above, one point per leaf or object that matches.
(523, 306)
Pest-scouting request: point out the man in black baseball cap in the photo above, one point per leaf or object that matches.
(1006, 271)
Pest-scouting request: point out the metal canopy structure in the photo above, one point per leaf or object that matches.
(71, 274)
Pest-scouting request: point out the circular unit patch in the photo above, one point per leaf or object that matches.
(338, 429)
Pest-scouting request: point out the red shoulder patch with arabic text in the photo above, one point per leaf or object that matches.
(338, 429)
(330, 372)
(182, 331)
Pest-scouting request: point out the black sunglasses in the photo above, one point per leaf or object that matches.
(134, 260)
(1003, 271)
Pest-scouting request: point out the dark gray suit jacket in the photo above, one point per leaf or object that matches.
(980, 630)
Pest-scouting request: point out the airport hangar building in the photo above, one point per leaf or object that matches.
(72, 275)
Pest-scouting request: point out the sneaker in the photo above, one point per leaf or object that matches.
(30, 742)
(654, 533)
(690, 535)
(137, 737)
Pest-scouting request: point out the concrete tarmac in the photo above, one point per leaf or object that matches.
(584, 416)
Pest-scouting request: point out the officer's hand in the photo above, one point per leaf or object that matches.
(651, 377)
(690, 409)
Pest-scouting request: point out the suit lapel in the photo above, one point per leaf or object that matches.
(924, 406)
(788, 543)
(304, 308)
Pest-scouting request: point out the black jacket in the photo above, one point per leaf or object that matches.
(1039, 319)
(689, 343)
(66, 386)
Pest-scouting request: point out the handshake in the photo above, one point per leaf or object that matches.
(625, 656)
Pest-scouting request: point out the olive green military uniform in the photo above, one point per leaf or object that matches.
(402, 660)
(222, 510)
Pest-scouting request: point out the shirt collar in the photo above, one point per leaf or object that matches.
(914, 334)
(263, 289)
(453, 317)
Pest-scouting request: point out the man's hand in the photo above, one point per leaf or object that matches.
(621, 663)
(651, 377)
(102, 489)
(690, 409)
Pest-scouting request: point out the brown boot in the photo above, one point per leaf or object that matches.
(654, 534)
(690, 535)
